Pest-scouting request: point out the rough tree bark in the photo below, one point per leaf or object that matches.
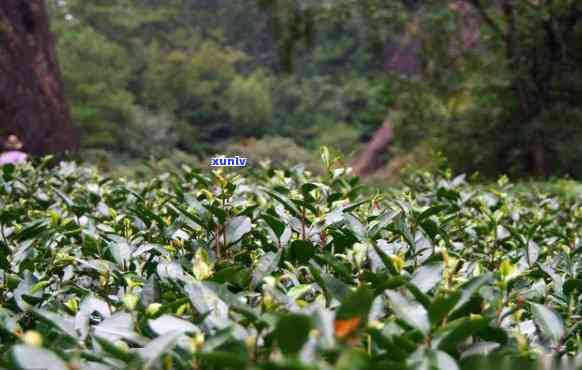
(32, 100)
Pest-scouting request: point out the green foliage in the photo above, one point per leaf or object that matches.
(494, 89)
(275, 150)
(218, 69)
(275, 268)
(177, 79)
(96, 73)
(249, 103)
(213, 67)
(150, 134)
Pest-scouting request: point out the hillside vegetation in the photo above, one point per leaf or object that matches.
(277, 269)
(493, 87)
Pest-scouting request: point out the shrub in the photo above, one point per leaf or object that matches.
(277, 269)
(278, 151)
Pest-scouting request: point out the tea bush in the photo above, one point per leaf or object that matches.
(276, 269)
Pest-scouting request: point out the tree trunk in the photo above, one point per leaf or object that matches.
(402, 58)
(539, 165)
(370, 159)
(32, 100)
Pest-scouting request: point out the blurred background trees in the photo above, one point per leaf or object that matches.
(493, 85)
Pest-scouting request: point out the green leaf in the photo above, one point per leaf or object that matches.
(356, 226)
(340, 269)
(412, 312)
(386, 260)
(40, 286)
(32, 230)
(88, 306)
(356, 303)
(470, 288)
(432, 211)
(168, 323)
(353, 206)
(219, 213)
(301, 251)
(493, 334)
(431, 228)
(223, 360)
(24, 288)
(158, 347)
(428, 276)
(189, 215)
(442, 305)
(118, 326)
(267, 264)
(393, 351)
(308, 187)
(63, 324)
(418, 295)
(150, 292)
(236, 228)
(381, 222)
(292, 332)
(7, 171)
(230, 299)
(206, 302)
(275, 224)
(27, 357)
(457, 331)
(286, 202)
(114, 350)
(572, 285)
(550, 323)
(121, 252)
(429, 359)
(352, 359)
(325, 158)
(404, 229)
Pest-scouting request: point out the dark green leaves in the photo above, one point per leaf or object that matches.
(550, 323)
(301, 251)
(267, 264)
(158, 347)
(356, 304)
(292, 332)
(7, 171)
(312, 275)
(236, 228)
(457, 331)
(442, 305)
(411, 312)
(571, 286)
(27, 357)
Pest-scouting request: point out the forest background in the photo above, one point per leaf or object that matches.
(493, 86)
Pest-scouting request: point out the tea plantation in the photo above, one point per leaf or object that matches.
(277, 269)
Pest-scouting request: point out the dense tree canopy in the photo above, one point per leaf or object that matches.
(491, 84)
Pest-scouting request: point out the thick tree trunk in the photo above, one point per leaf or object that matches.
(32, 100)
